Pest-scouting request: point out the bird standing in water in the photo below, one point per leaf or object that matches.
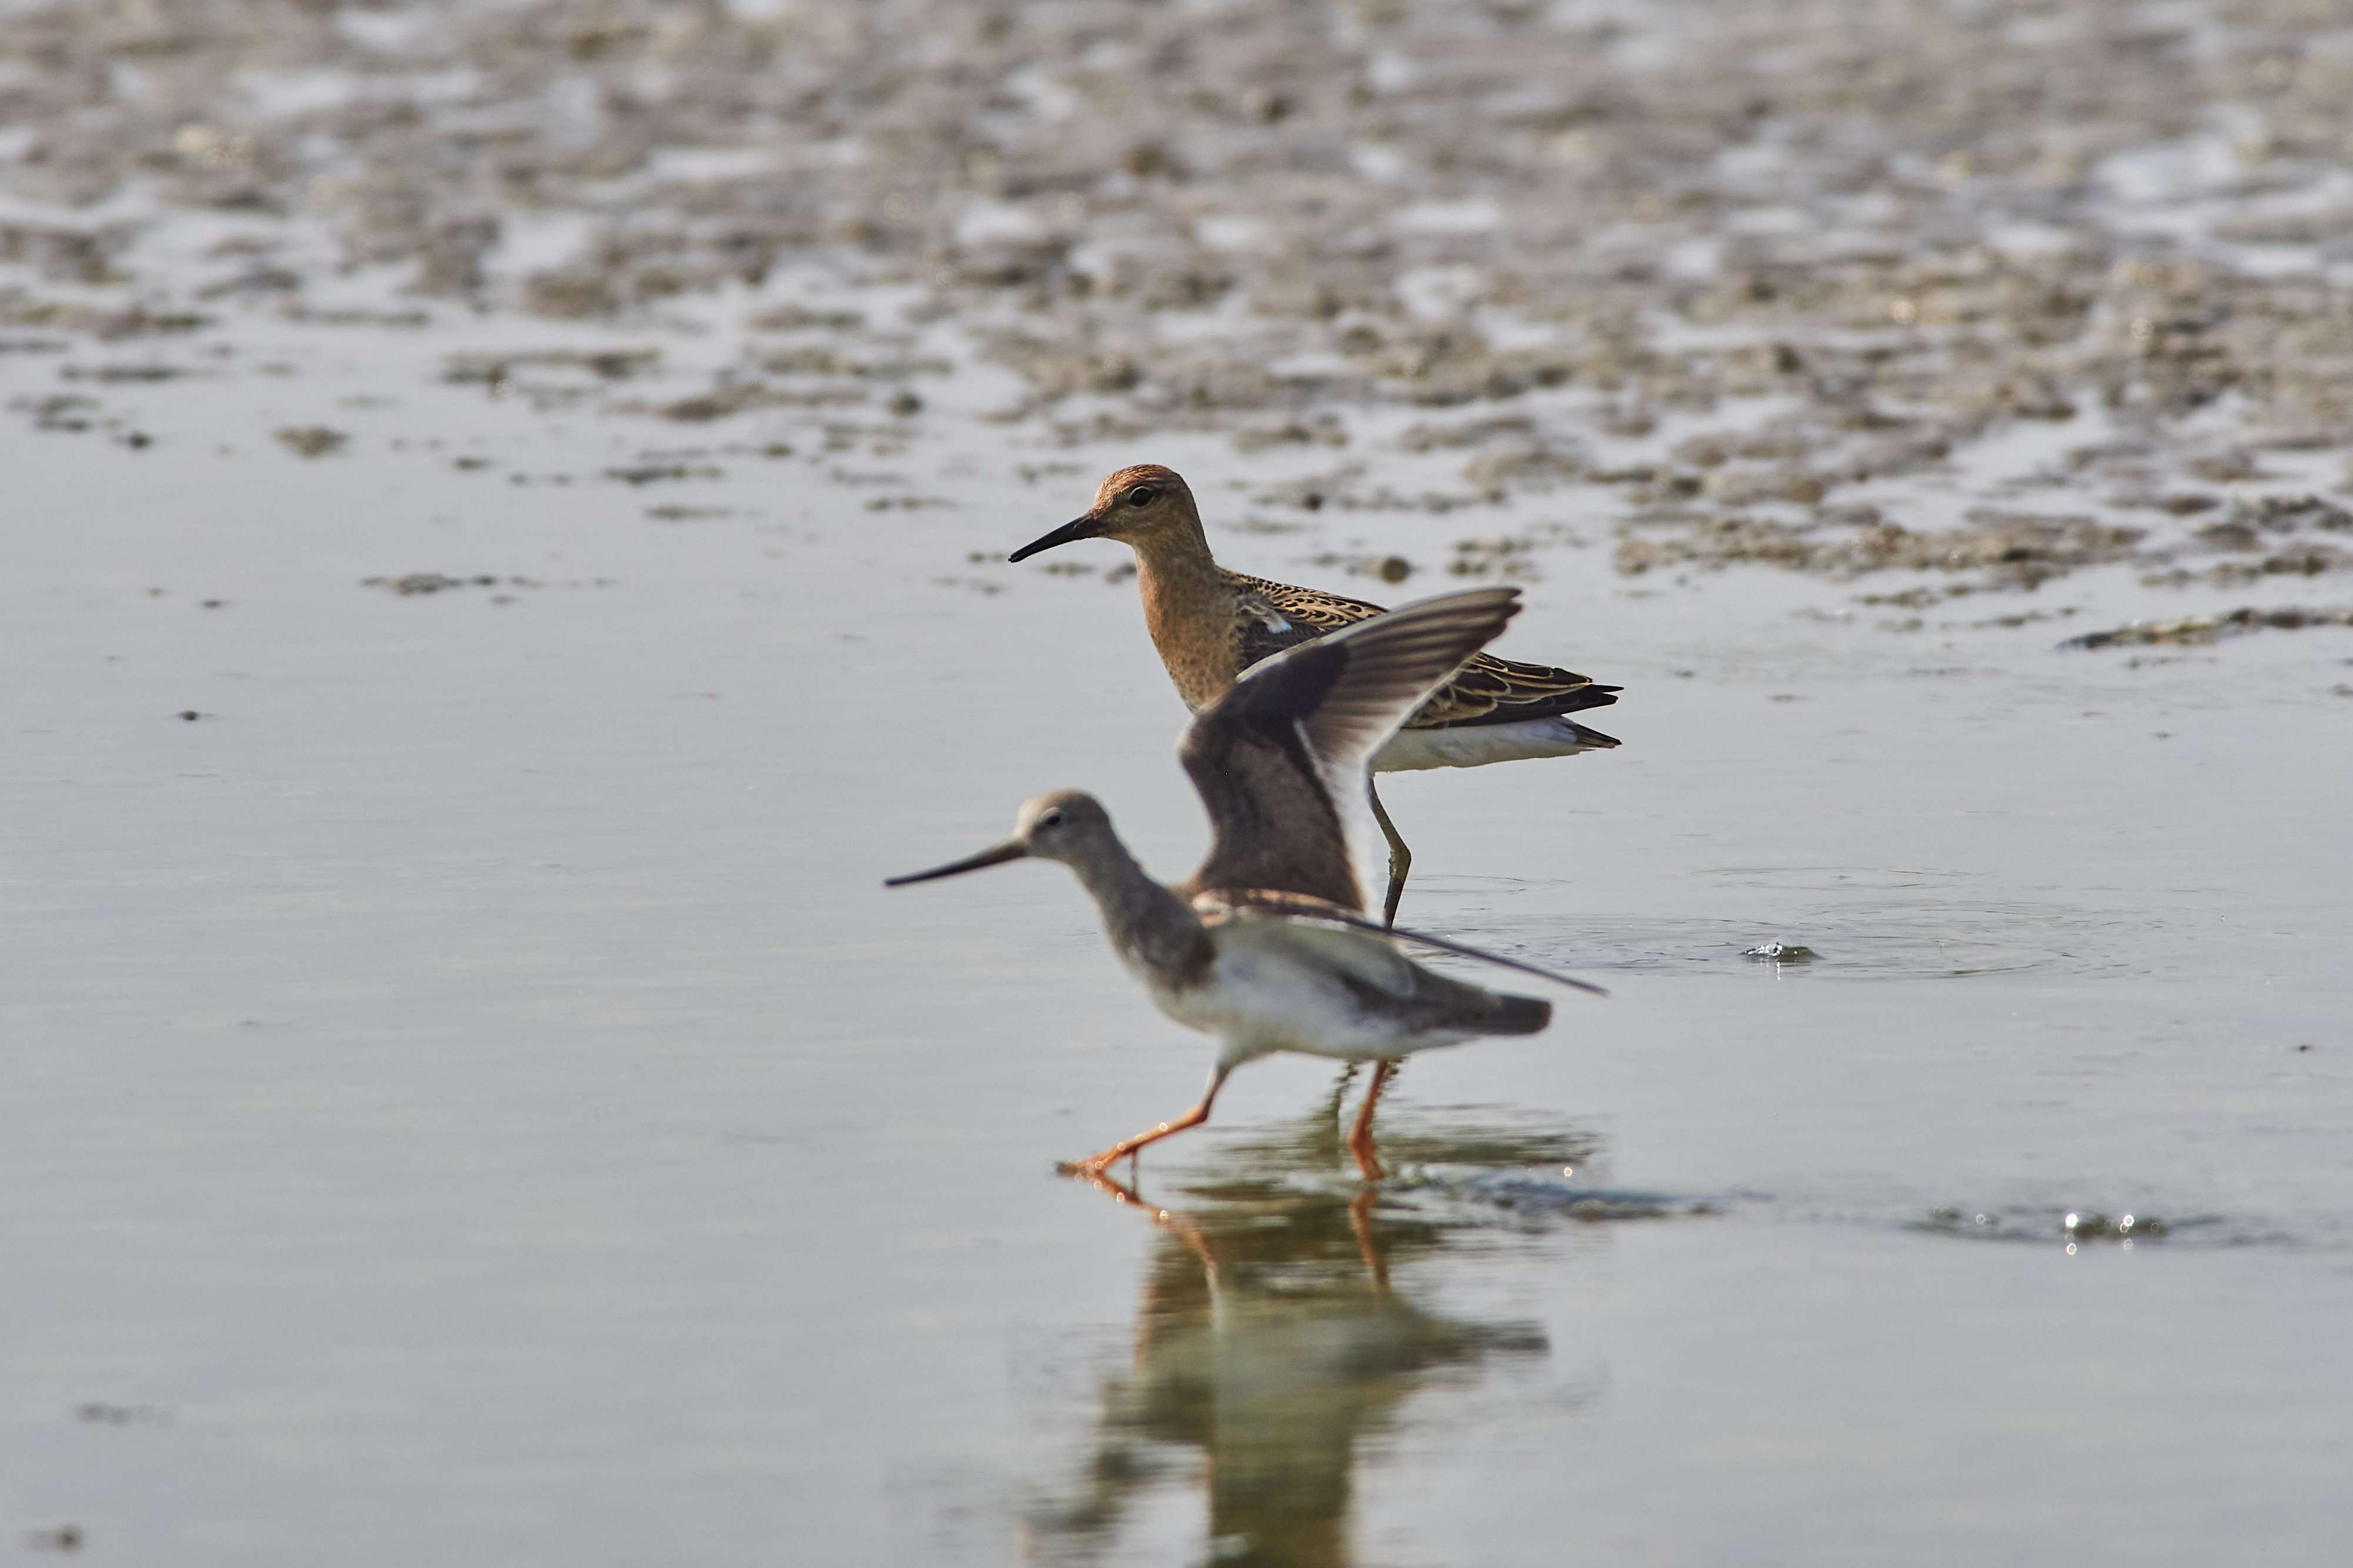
(1266, 947)
(1210, 625)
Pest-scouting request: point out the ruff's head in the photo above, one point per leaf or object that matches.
(1070, 825)
(1143, 505)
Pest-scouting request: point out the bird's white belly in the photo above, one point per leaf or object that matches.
(1475, 745)
(1257, 1001)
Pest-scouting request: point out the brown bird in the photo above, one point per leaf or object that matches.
(1210, 625)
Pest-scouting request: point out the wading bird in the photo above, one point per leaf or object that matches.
(1266, 946)
(1210, 625)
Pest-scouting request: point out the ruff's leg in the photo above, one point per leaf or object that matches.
(1360, 1139)
(1094, 1164)
(1400, 858)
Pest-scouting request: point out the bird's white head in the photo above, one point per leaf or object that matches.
(1063, 826)
(1070, 825)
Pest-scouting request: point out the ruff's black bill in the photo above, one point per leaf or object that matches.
(1077, 528)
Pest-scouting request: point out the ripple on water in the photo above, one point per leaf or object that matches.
(1846, 923)
(1455, 1166)
(2077, 1228)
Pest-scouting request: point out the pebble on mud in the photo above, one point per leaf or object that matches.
(100, 1413)
(416, 583)
(650, 473)
(312, 440)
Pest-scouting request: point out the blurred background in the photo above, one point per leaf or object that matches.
(506, 511)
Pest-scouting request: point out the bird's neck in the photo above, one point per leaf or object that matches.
(1189, 610)
(1154, 933)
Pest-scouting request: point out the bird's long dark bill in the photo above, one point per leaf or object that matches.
(1011, 849)
(1077, 528)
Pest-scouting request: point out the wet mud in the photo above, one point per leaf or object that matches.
(518, 497)
(1994, 294)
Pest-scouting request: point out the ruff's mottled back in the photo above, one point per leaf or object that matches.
(1266, 946)
(1211, 625)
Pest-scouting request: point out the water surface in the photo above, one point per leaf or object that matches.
(468, 1095)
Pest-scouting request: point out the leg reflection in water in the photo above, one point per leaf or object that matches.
(1269, 1344)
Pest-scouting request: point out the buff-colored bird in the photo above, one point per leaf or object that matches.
(1210, 625)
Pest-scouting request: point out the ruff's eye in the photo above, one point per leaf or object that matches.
(1141, 495)
(1051, 819)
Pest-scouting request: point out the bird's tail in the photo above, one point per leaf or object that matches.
(1518, 1014)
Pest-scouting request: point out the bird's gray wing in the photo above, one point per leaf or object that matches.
(1227, 904)
(1276, 756)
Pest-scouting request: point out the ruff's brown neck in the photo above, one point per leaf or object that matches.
(1189, 611)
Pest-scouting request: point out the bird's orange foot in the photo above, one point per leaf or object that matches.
(1110, 1186)
(1369, 1159)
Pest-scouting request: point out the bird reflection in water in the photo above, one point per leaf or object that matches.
(1270, 1340)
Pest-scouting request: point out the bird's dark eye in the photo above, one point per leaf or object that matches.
(1141, 495)
(1051, 819)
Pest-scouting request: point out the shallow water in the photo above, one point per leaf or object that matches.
(468, 1095)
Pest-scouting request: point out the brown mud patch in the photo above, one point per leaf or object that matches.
(1765, 286)
(2202, 629)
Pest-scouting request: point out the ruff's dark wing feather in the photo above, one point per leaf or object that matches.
(1486, 690)
(1492, 690)
(1305, 614)
(1276, 756)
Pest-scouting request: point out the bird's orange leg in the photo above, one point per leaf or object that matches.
(1094, 1164)
(1118, 1191)
(1360, 1137)
(1360, 1221)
